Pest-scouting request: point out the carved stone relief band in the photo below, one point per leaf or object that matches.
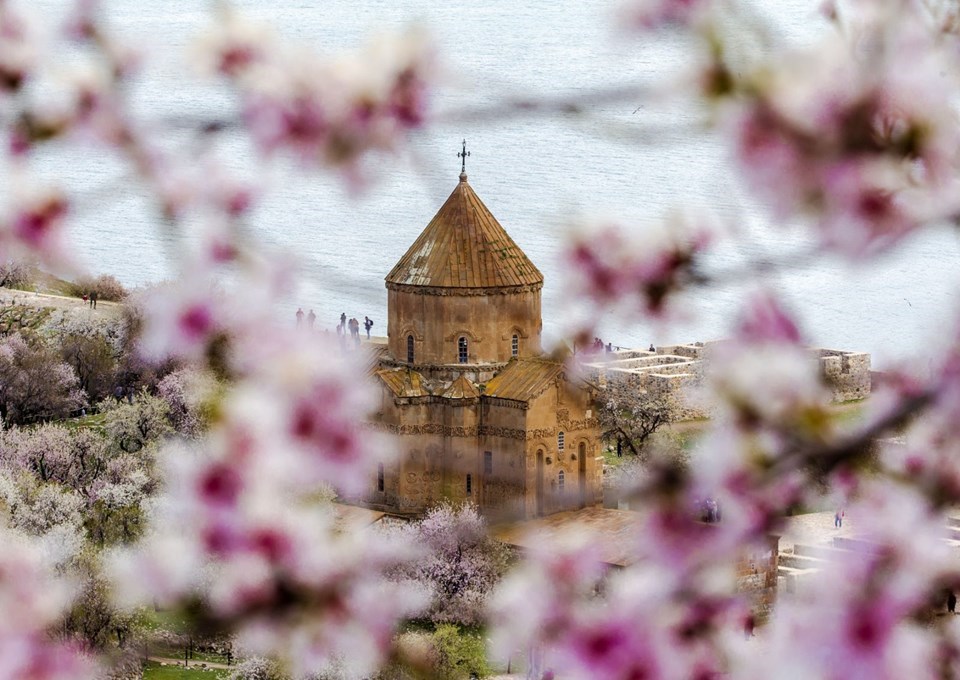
(464, 292)
(485, 431)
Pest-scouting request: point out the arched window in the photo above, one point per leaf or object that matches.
(560, 439)
(469, 484)
(583, 450)
(462, 350)
(409, 349)
(560, 481)
(380, 477)
(515, 345)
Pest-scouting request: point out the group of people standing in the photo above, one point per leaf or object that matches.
(599, 346)
(311, 318)
(353, 326)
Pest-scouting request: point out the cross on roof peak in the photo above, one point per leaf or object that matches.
(463, 154)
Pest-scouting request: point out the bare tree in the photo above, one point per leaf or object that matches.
(34, 383)
(15, 273)
(630, 418)
(93, 361)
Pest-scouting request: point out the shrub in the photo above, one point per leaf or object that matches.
(16, 274)
(34, 383)
(105, 286)
(257, 668)
(133, 424)
(185, 392)
(460, 653)
(92, 359)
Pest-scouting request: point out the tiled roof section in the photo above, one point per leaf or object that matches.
(461, 388)
(351, 517)
(373, 353)
(464, 247)
(524, 379)
(403, 382)
(612, 531)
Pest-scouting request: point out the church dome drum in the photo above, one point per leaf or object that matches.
(464, 292)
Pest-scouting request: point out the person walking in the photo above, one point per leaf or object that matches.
(311, 319)
(299, 317)
(343, 322)
(367, 324)
(838, 519)
(355, 331)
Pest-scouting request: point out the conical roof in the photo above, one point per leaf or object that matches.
(464, 247)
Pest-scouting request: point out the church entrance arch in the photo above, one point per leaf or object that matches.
(539, 482)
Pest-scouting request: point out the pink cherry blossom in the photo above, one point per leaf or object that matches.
(654, 14)
(336, 112)
(31, 601)
(857, 143)
(633, 269)
(234, 44)
(764, 320)
(181, 320)
(34, 225)
(19, 53)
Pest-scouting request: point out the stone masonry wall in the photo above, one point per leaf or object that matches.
(757, 578)
(846, 373)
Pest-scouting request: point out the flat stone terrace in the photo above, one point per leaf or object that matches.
(811, 540)
(671, 360)
(815, 528)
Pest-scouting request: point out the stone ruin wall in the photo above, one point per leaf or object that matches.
(680, 388)
(757, 578)
(847, 374)
(677, 371)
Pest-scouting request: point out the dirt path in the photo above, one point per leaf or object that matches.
(9, 296)
(193, 664)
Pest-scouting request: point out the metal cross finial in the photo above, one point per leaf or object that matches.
(463, 154)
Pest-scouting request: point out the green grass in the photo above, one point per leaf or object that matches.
(48, 283)
(849, 412)
(677, 438)
(154, 671)
(610, 458)
(96, 421)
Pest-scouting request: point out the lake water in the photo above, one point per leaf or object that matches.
(534, 173)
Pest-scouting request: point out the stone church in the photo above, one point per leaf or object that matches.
(480, 414)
